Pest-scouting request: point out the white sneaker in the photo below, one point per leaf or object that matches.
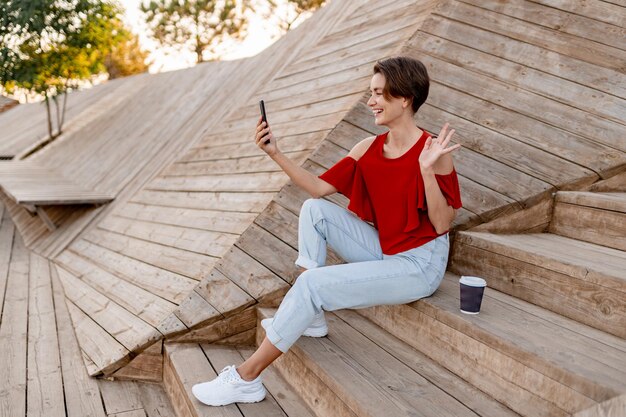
(318, 327)
(229, 388)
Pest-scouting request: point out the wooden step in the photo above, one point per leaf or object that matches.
(187, 364)
(361, 370)
(593, 217)
(580, 280)
(534, 361)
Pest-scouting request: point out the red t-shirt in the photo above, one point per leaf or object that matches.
(390, 193)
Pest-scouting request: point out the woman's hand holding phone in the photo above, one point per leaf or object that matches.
(263, 134)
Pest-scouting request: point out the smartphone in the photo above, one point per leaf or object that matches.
(264, 116)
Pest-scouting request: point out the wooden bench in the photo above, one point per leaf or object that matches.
(33, 186)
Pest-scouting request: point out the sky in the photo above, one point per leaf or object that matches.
(261, 34)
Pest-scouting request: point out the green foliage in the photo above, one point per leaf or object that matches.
(49, 46)
(197, 25)
(126, 58)
(299, 7)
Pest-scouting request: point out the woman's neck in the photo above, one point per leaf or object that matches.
(403, 136)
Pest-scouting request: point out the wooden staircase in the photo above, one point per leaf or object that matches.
(549, 340)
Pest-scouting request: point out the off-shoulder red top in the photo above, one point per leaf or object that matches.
(390, 193)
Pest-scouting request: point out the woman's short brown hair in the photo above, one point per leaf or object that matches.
(404, 77)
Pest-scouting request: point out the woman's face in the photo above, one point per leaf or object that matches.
(385, 111)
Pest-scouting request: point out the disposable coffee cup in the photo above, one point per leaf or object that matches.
(472, 289)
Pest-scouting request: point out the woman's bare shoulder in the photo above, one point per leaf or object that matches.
(360, 148)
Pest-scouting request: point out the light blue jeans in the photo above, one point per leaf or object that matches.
(369, 278)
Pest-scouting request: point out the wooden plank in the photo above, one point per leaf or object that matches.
(464, 392)
(248, 164)
(120, 324)
(313, 104)
(613, 184)
(315, 101)
(196, 310)
(581, 124)
(218, 153)
(557, 41)
(190, 366)
(147, 366)
(280, 389)
(250, 202)
(120, 396)
(139, 301)
(155, 401)
(223, 294)
(439, 342)
(13, 333)
(527, 54)
(273, 253)
(203, 242)
(284, 225)
(606, 201)
(533, 219)
(222, 356)
(507, 149)
(101, 353)
(309, 386)
(361, 29)
(173, 287)
(217, 330)
(174, 390)
(133, 413)
(7, 230)
(606, 11)
(82, 396)
(44, 379)
(517, 126)
(249, 274)
(567, 359)
(615, 407)
(603, 227)
(383, 371)
(582, 20)
(526, 268)
(175, 260)
(497, 56)
(355, 380)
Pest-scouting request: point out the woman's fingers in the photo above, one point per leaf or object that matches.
(446, 140)
(451, 148)
(442, 133)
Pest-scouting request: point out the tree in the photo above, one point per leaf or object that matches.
(49, 46)
(197, 25)
(300, 6)
(126, 58)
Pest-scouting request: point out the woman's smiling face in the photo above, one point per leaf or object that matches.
(384, 110)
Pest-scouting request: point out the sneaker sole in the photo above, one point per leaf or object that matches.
(244, 399)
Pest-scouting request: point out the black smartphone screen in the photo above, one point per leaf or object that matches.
(263, 116)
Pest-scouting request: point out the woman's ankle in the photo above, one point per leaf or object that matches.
(246, 375)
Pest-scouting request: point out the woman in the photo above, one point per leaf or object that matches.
(404, 182)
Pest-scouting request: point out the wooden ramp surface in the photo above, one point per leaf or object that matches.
(534, 91)
(29, 184)
(25, 126)
(43, 372)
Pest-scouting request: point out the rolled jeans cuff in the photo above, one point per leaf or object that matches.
(306, 262)
(276, 339)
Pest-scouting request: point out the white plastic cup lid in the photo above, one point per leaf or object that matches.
(473, 281)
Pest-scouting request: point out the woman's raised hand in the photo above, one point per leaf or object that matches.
(434, 148)
(263, 133)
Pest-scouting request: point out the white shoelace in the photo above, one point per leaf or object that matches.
(227, 375)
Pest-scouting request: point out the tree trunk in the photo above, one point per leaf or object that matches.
(49, 116)
(56, 105)
(64, 108)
